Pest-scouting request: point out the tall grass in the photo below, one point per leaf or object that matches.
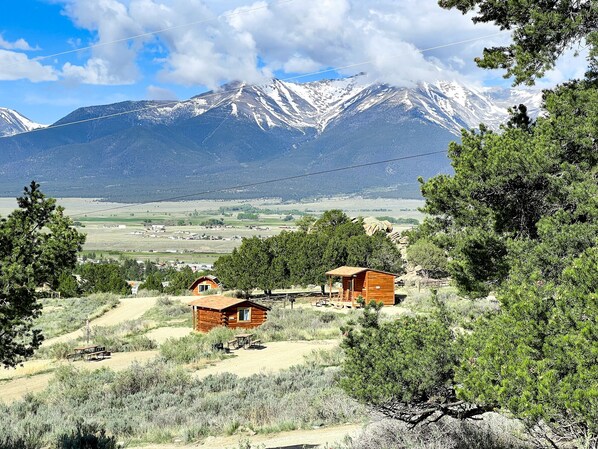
(159, 402)
(463, 311)
(195, 347)
(169, 312)
(303, 324)
(127, 336)
(62, 315)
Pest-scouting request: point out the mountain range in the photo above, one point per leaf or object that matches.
(244, 134)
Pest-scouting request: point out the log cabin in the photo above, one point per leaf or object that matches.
(203, 284)
(217, 310)
(368, 283)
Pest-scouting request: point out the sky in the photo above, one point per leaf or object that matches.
(58, 55)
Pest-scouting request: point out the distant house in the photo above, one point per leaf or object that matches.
(134, 286)
(203, 284)
(365, 282)
(217, 310)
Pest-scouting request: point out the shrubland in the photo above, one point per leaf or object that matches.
(159, 401)
(62, 315)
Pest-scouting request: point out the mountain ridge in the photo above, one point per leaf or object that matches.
(246, 132)
(13, 122)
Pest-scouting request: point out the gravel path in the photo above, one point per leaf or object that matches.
(296, 439)
(273, 357)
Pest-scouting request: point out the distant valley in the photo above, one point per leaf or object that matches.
(249, 133)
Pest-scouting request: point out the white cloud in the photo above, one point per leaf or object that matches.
(110, 63)
(19, 44)
(14, 66)
(300, 64)
(160, 93)
(251, 41)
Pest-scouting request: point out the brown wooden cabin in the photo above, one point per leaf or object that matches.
(217, 310)
(203, 284)
(365, 282)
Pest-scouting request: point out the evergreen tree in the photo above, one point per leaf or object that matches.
(153, 282)
(541, 30)
(37, 245)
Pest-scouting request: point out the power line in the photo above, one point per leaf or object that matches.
(351, 66)
(223, 92)
(259, 183)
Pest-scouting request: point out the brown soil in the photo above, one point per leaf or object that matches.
(295, 439)
(272, 357)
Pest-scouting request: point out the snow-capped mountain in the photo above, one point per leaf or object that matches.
(11, 123)
(243, 133)
(315, 105)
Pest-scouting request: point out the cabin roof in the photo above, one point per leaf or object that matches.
(202, 278)
(345, 271)
(220, 302)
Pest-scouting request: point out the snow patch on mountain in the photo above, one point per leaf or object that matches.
(314, 106)
(12, 122)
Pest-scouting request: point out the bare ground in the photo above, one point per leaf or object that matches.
(295, 439)
(273, 357)
(161, 334)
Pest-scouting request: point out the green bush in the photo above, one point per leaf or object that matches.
(195, 347)
(167, 310)
(86, 436)
(303, 324)
(159, 401)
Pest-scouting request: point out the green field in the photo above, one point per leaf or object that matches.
(116, 230)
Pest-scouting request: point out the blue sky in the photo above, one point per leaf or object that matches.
(210, 42)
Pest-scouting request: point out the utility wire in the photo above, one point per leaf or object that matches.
(350, 66)
(223, 92)
(259, 183)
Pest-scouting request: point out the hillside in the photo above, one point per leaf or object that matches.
(247, 133)
(12, 122)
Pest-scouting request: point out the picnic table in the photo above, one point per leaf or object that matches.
(245, 341)
(92, 352)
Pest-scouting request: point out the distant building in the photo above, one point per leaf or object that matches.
(204, 283)
(216, 310)
(370, 284)
(134, 286)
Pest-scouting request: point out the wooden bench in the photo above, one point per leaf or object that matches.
(256, 344)
(97, 355)
(232, 344)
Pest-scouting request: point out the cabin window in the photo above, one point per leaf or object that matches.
(203, 287)
(244, 314)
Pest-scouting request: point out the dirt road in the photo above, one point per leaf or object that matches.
(296, 439)
(128, 309)
(272, 357)
(161, 334)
